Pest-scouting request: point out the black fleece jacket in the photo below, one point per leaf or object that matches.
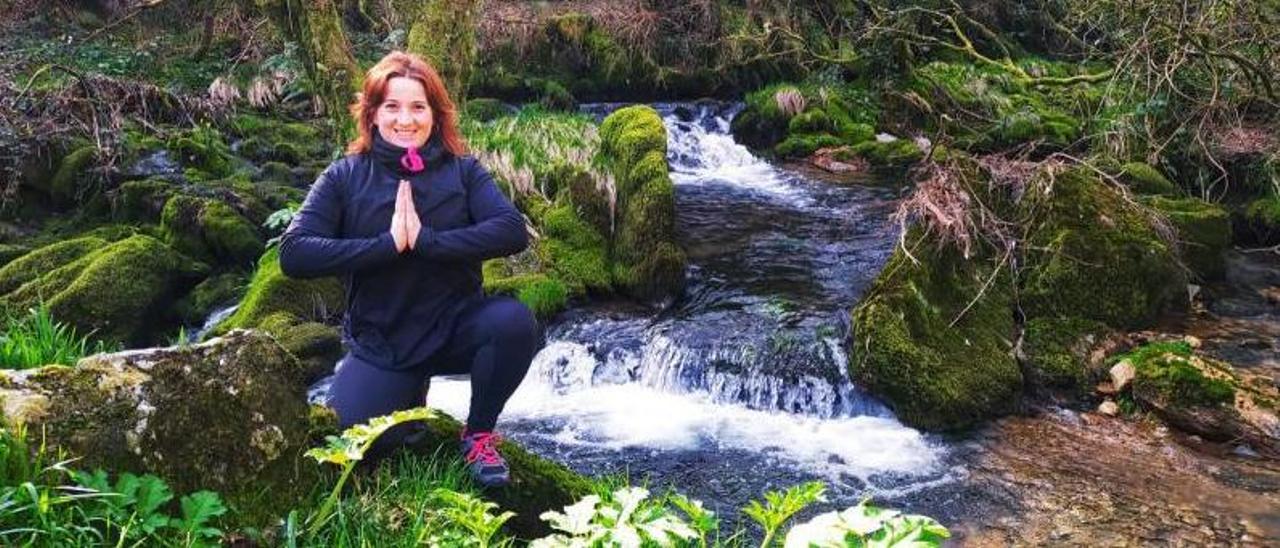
(401, 306)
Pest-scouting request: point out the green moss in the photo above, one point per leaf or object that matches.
(317, 346)
(39, 262)
(537, 485)
(270, 291)
(1056, 350)
(1144, 179)
(914, 344)
(575, 251)
(1090, 254)
(647, 263)
(1204, 232)
(555, 98)
(800, 146)
(811, 121)
(65, 183)
(213, 292)
(9, 252)
(229, 236)
(204, 149)
(1166, 373)
(1262, 219)
(544, 296)
(229, 416)
(87, 293)
(142, 200)
(895, 153)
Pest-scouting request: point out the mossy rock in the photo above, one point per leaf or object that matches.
(229, 415)
(9, 252)
(210, 229)
(33, 265)
(88, 294)
(537, 484)
(892, 153)
(1091, 254)
(574, 250)
(1055, 353)
(142, 200)
(913, 343)
(1145, 179)
(270, 291)
(1262, 221)
(65, 185)
(272, 140)
(208, 295)
(204, 149)
(317, 346)
(646, 261)
(1204, 233)
(544, 295)
(801, 146)
(485, 109)
(554, 97)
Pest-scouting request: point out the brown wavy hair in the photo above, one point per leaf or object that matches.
(405, 65)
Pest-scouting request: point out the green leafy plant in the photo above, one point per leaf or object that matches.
(626, 518)
(779, 506)
(279, 220)
(473, 520)
(349, 449)
(867, 526)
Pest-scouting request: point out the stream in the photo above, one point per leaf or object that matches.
(740, 385)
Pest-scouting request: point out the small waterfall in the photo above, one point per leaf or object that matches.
(211, 322)
(747, 367)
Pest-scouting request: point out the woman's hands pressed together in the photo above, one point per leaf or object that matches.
(405, 223)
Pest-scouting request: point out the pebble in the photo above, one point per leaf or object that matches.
(1245, 451)
(1109, 408)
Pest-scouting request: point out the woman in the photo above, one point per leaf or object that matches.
(406, 218)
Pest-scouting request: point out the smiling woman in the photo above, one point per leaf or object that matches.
(407, 218)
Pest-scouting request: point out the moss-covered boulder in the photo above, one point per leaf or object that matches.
(1092, 254)
(935, 346)
(317, 346)
(214, 291)
(794, 120)
(210, 229)
(1055, 354)
(72, 174)
(1261, 222)
(228, 415)
(263, 139)
(203, 148)
(39, 262)
(270, 292)
(142, 200)
(117, 292)
(1203, 396)
(537, 485)
(647, 263)
(1204, 233)
(1143, 178)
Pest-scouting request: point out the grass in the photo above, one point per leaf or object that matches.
(36, 339)
(395, 504)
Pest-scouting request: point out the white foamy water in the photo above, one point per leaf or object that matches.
(699, 156)
(559, 391)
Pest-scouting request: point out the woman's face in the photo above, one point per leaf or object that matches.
(404, 118)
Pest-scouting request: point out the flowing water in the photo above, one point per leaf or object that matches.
(739, 385)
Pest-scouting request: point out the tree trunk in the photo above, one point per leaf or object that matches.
(316, 26)
(444, 33)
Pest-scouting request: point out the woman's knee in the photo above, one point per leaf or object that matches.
(509, 319)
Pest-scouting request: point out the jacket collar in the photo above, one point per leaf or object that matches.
(439, 185)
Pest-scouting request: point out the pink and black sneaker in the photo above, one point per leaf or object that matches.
(480, 452)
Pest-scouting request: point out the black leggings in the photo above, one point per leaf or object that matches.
(494, 340)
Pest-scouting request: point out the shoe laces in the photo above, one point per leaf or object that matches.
(484, 448)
